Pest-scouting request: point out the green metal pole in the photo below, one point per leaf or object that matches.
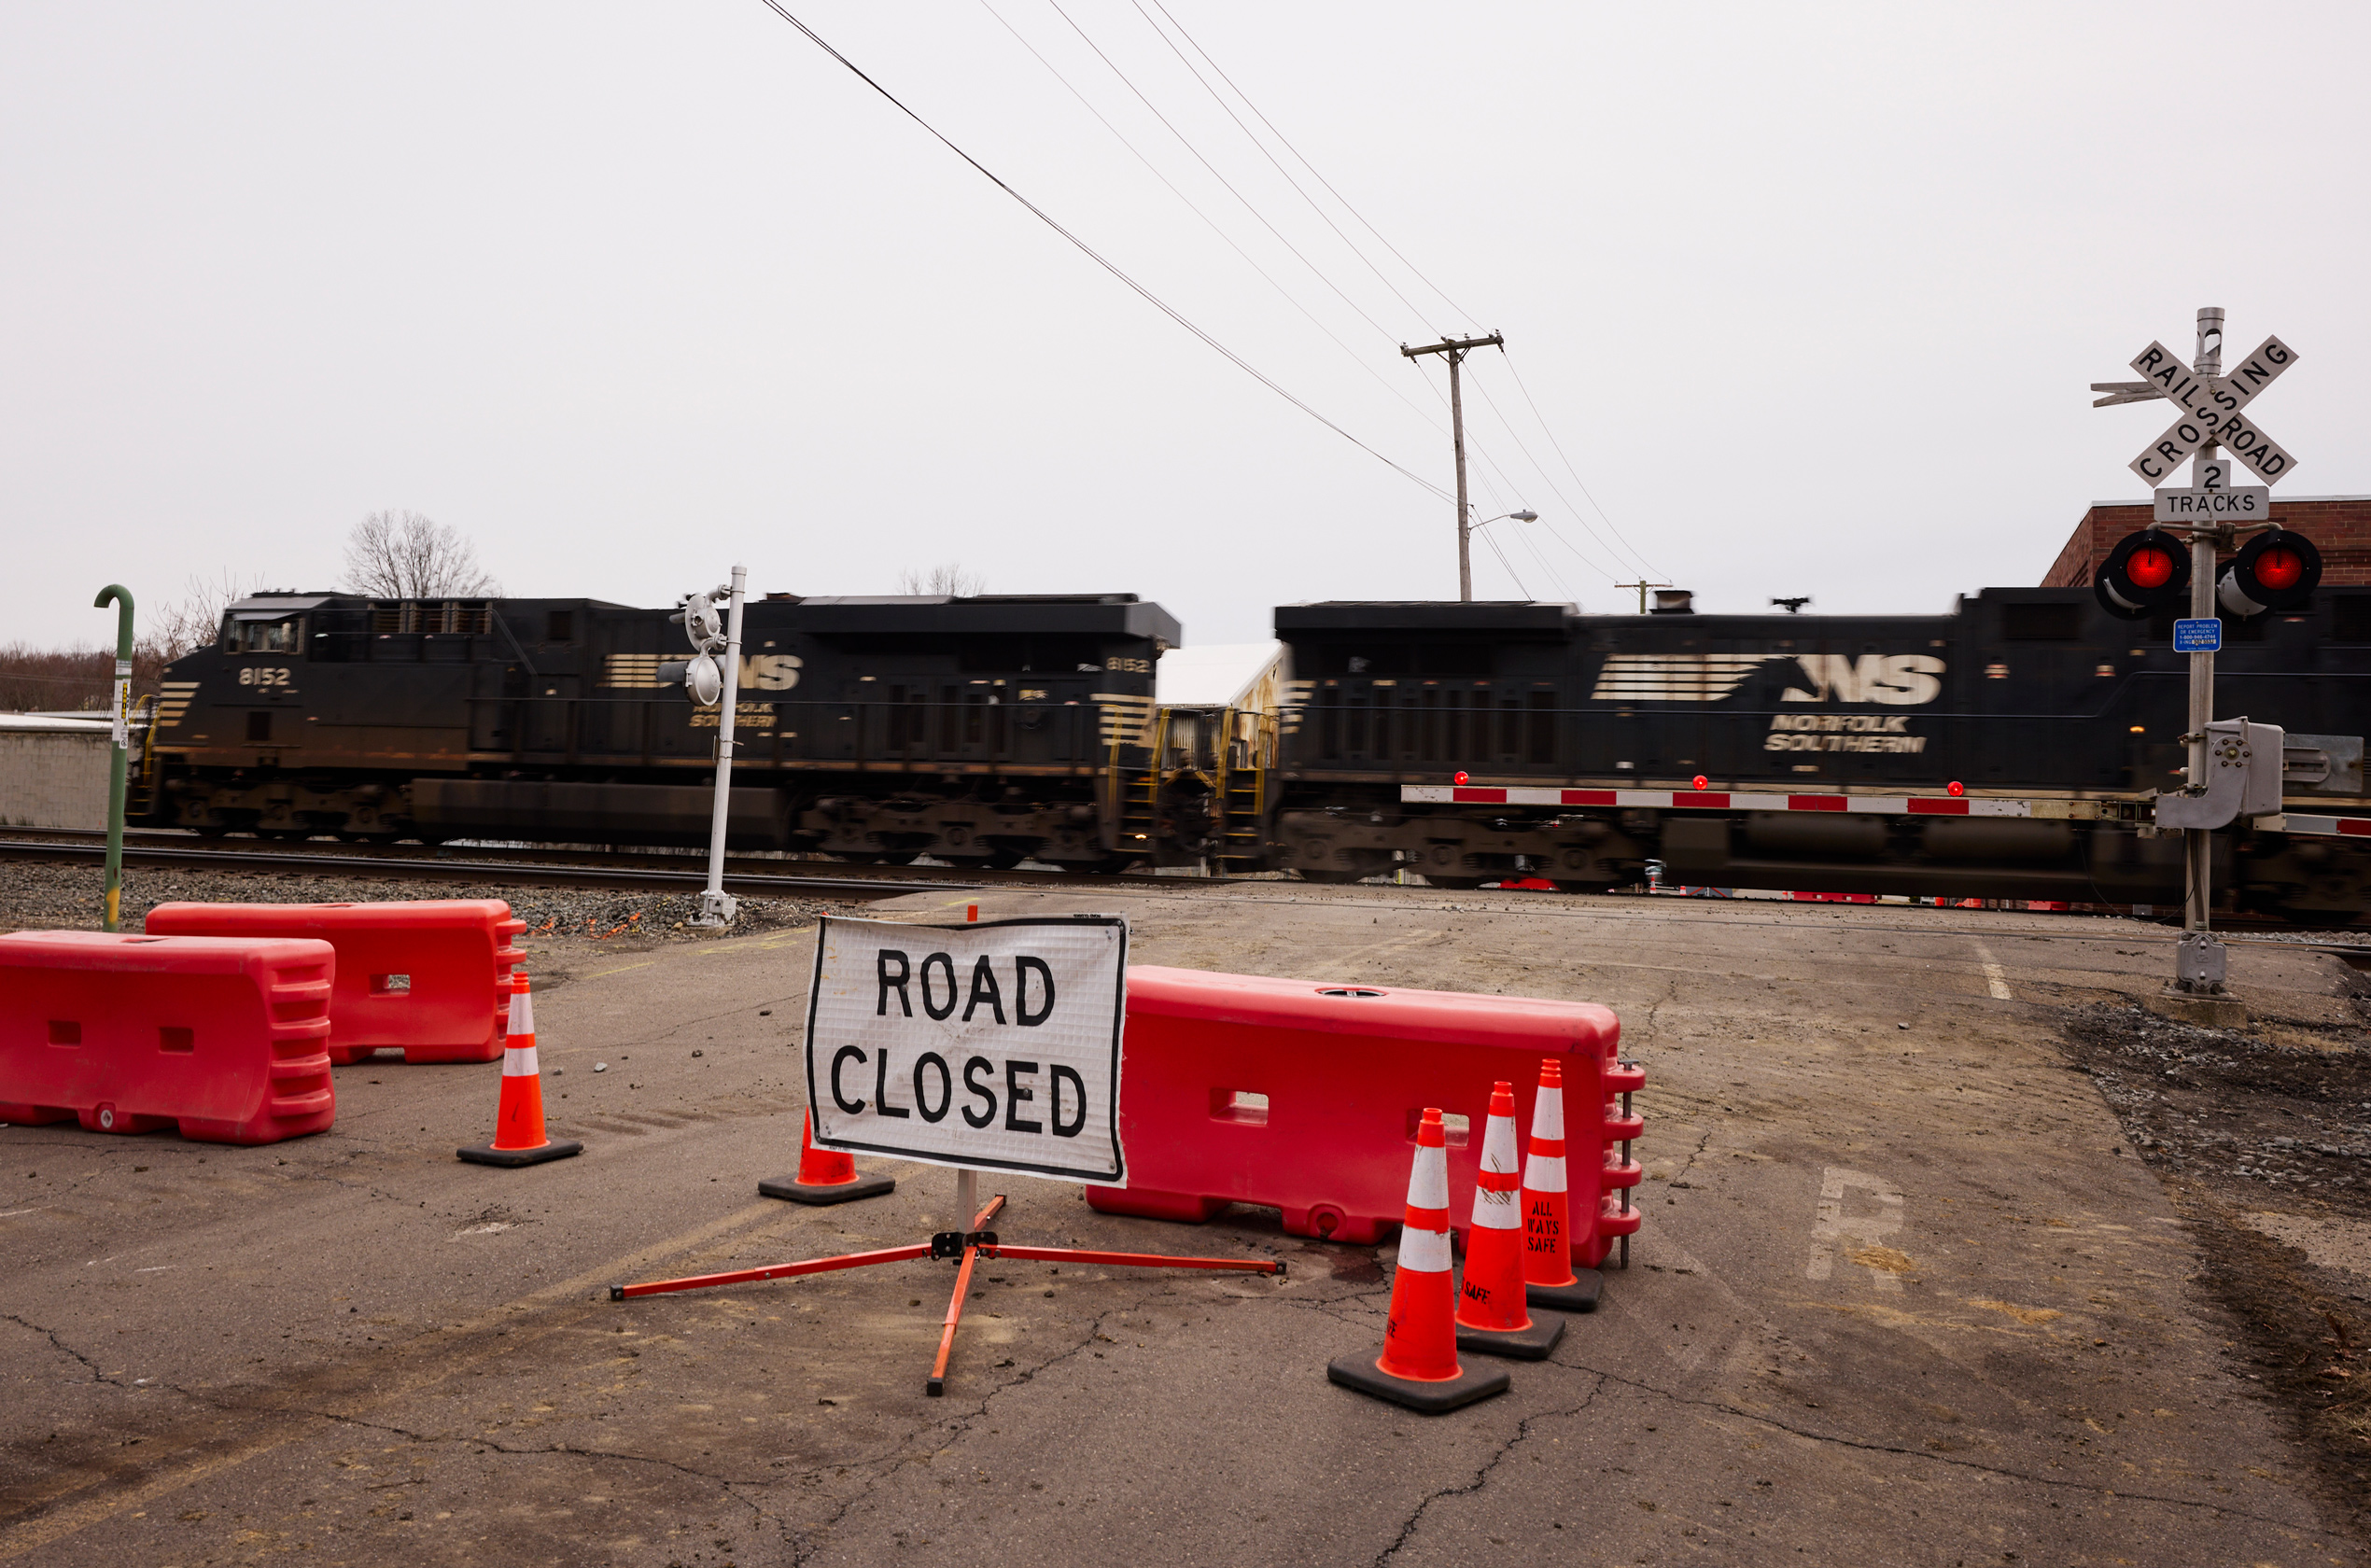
(120, 598)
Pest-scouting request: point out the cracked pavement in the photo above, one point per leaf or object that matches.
(1902, 1295)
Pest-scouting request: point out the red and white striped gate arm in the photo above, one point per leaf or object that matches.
(1717, 800)
(2296, 822)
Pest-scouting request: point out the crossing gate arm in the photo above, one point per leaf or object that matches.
(2297, 823)
(1718, 800)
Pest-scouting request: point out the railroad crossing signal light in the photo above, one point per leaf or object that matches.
(703, 621)
(2145, 573)
(2274, 570)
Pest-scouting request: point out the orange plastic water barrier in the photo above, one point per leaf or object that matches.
(429, 977)
(1306, 1097)
(224, 1038)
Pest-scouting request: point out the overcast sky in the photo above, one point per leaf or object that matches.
(1810, 296)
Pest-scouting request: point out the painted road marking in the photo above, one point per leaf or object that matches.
(1833, 1227)
(1995, 977)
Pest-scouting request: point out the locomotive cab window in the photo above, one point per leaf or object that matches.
(258, 634)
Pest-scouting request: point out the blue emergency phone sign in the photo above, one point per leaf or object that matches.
(2197, 637)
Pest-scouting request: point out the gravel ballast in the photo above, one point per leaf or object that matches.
(37, 896)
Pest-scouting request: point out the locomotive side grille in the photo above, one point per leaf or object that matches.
(637, 671)
(1125, 719)
(434, 616)
(1675, 676)
(175, 701)
(1295, 699)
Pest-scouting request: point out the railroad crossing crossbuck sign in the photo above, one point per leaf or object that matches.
(2211, 409)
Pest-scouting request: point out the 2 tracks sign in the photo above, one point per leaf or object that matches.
(992, 1045)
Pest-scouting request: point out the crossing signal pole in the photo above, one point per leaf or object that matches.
(1455, 350)
(2148, 572)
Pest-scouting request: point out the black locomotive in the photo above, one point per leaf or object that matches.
(2035, 693)
(988, 729)
(979, 730)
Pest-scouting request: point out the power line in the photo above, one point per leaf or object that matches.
(1253, 139)
(1192, 206)
(1554, 574)
(1098, 257)
(1575, 511)
(1454, 307)
(1247, 204)
(1222, 179)
(1508, 565)
(1550, 431)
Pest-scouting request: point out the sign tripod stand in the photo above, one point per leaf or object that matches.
(966, 1247)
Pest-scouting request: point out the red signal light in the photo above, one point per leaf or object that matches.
(2276, 570)
(2144, 575)
(2279, 567)
(1702, 781)
(1462, 776)
(2149, 569)
(1957, 788)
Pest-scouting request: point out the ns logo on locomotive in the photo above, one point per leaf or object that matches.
(988, 729)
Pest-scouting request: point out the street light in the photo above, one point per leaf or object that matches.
(1518, 516)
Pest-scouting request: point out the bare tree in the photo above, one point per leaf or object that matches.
(951, 578)
(405, 555)
(195, 618)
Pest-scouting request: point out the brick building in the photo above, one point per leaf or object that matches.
(2339, 525)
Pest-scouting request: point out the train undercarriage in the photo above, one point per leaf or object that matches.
(1079, 823)
(1347, 838)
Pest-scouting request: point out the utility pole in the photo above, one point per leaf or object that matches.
(1642, 588)
(1455, 350)
(2197, 844)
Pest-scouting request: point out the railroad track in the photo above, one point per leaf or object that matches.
(578, 869)
(628, 871)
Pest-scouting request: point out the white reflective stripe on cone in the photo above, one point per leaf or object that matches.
(1547, 1116)
(1546, 1174)
(519, 1062)
(1495, 1211)
(1498, 1145)
(522, 1013)
(1428, 1182)
(1424, 1251)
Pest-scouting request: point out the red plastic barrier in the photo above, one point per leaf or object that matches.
(136, 1033)
(1306, 1097)
(429, 977)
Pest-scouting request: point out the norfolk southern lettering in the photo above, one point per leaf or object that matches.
(1034, 1099)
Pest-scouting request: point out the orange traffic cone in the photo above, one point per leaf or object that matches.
(519, 1138)
(1419, 1365)
(824, 1175)
(1548, 1280)
(1491, 1316)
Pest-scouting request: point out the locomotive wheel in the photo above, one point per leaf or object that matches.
(1565, 886)
(1111, 865)
(1338, 878)
(1459, 884)
(882, 857)
(1005, 860)
(213, 829)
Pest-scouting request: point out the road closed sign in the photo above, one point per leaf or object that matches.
(994, 1045)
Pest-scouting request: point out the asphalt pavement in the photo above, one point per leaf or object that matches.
(1903, 1294)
